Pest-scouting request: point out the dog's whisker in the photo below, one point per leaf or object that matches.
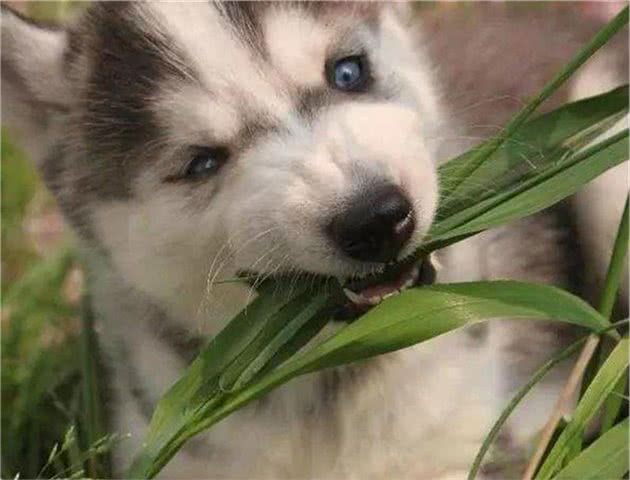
(236, 252)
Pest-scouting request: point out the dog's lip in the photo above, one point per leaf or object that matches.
(368, 291)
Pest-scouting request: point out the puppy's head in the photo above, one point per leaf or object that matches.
(190, 141)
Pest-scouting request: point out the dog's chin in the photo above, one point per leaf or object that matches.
(362, 292)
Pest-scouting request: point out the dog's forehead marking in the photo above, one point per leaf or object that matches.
(263, 60)
(244, 18)
(230, 74)
(125, 53)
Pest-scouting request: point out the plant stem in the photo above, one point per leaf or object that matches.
(613, 279)
(562, 405)
(600, 39)
(91, 397)
(613, 404)
(616, 268)
(533, 381)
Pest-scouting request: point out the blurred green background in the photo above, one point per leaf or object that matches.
(41, 292)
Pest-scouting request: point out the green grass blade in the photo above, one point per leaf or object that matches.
(231, 360)
(516, 400)
(523, 391)
(613, 405)
(539, 192)
(605, 459)
(533, 147)
(92, 401)
(430, 319)
(614, 274)
(278, 331)
(600, 39)
(614, 402)
(617, 266)
(420, 314)
(409, 318)
(32, 369)
(425, 314)
(601, 386)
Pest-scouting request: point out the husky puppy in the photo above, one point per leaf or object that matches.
(186, 142)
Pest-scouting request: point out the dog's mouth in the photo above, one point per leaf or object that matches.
(363, 293)
(360, 294)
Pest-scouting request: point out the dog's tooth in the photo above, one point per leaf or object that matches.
(354, 297)
(435, 261)
(374, 300)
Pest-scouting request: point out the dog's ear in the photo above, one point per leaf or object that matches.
(35, 88)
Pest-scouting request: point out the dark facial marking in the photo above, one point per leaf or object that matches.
(311, 101)
(180, 340)
(129, 62)
(256, 128)
(133, 381)
(244, 19)
(74, 47)
(58, 175)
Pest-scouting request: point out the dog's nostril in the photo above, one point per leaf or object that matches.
(375, 226)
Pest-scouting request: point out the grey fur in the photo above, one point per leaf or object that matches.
(245, 19)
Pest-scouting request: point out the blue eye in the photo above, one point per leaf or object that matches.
(350, 74)
(206, 161)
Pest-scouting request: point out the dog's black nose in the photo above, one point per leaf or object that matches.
(375, 226)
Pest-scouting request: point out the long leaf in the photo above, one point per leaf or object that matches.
(605, 459)
(618, 263)
(539, 192)
(603, 383)
(600, 39)
(419, 314)
(516, 400)
(231, 360)
(411, 317)
(177, 408)
(531, 148)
